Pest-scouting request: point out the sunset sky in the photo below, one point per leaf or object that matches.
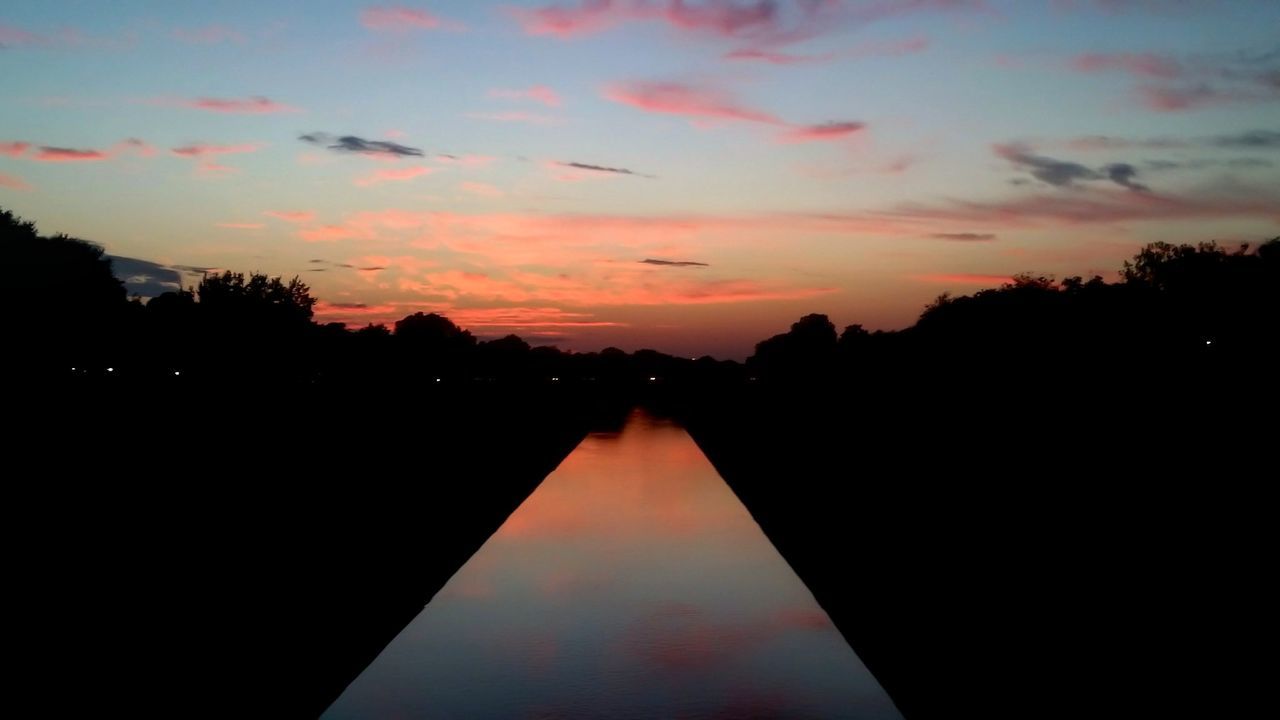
(690, 176)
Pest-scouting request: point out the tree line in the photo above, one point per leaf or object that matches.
(1172, 304)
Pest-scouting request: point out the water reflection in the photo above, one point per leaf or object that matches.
(631, 583)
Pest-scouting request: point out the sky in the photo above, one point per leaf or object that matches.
(690, 176)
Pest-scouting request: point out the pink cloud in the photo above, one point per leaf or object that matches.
(1143, 64)
(777, 58)
(13, 182)
(208, 35)
(200, 150)
(764, 23)
(393, 175)
(761, 21)
(724, 18)
(60, 155)
(10, 35)
(291, 216)
(536, 93)
(893, 48)
(1175, 98)
(14, 149)
(681, 99)
(241, 226)
(481, 189)
(66, 37)
(399, 18)
(249, 106)
(515, 117)
(826, 131)
(565, 22)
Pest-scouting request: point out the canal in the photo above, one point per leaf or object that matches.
(631, 584)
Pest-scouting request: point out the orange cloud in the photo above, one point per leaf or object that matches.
(199, 150)
(13, 182)
(241, 226)
(60, 155)
(393, 175)
(1143, 64)
(14, 149)
(963, 279)
(520, 117)
(481, 189)
(536, 93)
(292, 216)
(213, 168)
(331, 233)
(249, 106)
(826, 131)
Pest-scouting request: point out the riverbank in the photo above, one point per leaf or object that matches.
(250, 551)
(986, 557)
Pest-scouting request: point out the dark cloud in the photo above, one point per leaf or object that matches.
(673, 263)
(1250, 163)
(964, 237)
(602, 168)
(144, 278)
(1058, 173)
(1247, 140)
(347, 266)
(1063, 173)
(1201, 164)
(1124, 174)
(348, 306)
(354, 144)
(195, 269)
(1252, 140)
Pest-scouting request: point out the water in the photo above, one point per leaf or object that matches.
(631, 584)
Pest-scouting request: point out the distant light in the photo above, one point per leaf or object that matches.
(653, 379)
(176, 373)
(73, 369)
(555, 379)
(111, 369)
(437, 379)
(1208, 342)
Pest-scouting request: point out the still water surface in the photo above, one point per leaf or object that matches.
(631, 584)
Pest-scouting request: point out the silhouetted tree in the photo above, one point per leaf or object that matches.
(807, 351)
(258, 299)
(64, 302)
(374, 331)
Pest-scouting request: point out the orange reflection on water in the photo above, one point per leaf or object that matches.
(631, 583)
(649, 484)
